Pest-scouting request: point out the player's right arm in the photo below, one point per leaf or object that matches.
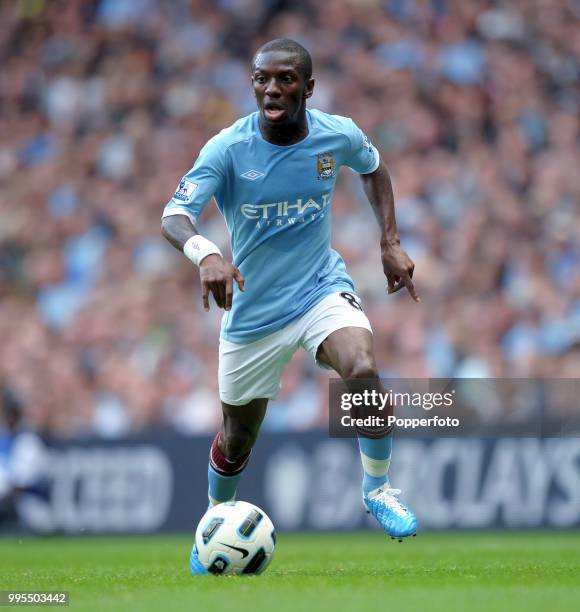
(195, 189)
(216, 274)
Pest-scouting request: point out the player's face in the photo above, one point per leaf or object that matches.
(280, 87)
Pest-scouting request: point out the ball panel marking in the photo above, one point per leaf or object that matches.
(211, 529)
(219, 566)
(255, 563)
(252, 521)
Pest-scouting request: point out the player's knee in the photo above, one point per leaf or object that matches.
(363, 366)
(237, 442)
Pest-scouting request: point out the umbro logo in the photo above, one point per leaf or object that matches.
(252, 175)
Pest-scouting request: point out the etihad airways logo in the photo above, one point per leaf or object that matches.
(287, 212)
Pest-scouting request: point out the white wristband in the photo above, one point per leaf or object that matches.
(198, 247)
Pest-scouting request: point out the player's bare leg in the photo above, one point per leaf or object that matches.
(349, 351)
(231, 448)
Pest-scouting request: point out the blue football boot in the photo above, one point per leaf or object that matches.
(195, 565)
(395, 518)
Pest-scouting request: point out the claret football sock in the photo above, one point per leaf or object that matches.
(376, 458)
(223, 474)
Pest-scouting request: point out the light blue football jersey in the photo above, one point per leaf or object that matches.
(276, 202)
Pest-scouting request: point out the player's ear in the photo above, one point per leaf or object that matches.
(309, 89)
(253, 88)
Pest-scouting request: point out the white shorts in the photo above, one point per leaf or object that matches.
(253, 370)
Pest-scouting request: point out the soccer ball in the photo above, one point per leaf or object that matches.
(235, 538)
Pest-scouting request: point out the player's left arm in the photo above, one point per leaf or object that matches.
(397, 265)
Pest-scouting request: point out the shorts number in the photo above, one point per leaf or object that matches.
(351, 299)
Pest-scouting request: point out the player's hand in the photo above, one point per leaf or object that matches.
(398, 268)
(218, 275)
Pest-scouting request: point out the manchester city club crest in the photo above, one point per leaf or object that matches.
(325, 165)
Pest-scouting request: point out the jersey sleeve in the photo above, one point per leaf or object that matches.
(362, 156)
(201, 183)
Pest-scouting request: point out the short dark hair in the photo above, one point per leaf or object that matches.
(303, 59)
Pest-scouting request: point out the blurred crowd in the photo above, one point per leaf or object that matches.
(104, 105)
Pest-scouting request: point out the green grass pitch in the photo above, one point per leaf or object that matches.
(335, 572)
